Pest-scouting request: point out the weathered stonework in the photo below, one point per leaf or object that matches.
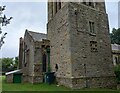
(9, 78)
(118, 86)
(20, 53)
(116, 54)
(84, 82)
(83, 57)
(31, 60)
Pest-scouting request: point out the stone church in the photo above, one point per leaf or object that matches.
(80, 47)
(80, 44)
(33, 56)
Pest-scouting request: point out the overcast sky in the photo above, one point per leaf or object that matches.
(33, 16)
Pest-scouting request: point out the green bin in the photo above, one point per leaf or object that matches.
(17, 77)
(49, 77)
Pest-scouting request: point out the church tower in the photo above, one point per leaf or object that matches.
(80, 45)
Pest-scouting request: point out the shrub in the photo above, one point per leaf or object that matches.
(117, 73)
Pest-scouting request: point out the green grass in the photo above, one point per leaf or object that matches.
(45, 87)
(30, 87)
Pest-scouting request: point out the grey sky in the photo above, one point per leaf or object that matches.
(33, 16)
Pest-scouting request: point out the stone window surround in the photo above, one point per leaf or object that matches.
(93, 45)
(89, 3)
(56, 6)
(92, 27)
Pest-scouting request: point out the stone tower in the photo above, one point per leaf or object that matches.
(80, 44)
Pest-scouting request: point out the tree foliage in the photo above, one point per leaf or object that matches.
(9, 64)
(117, 73)
(16, 62)
(115, 36)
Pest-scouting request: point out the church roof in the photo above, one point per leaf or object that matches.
(37, 36)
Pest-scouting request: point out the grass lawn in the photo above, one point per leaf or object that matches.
(30, 87)
(46, 87)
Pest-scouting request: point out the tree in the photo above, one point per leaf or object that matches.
(16, 63)
(3, 22)
(7, 64)
(117, 73)
(115, 36)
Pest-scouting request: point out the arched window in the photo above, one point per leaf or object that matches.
(44, 63)
(55, 6)
(116, 60)
(59, 5)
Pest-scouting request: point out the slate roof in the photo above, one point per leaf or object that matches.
(37, 36)
(115, 47)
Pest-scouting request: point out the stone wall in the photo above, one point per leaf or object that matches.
(81, 55)
(35, 79)
(9, 78)
(81, 37)
(21, 50)
(87, 82)
(85, 62)
(25, 78)
(54, 7)
(29, 54)
(94, 82)
(58, 34)
(38, 53)
(34, 47)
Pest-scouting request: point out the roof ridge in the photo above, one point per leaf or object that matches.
(35, 32)
(37, 36)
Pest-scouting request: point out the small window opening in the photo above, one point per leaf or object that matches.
(116, 60)
(91, 26)
(56, 67)
(93, 45)
(90, 3)
(84, 2)
(59, 5)
(55, 7)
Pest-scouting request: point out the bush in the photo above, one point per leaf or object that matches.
(117, 73)
(3, 73)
